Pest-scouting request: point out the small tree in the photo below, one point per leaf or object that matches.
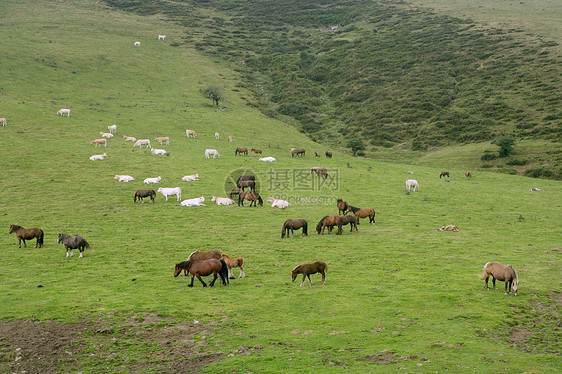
(506, 145)
(356, 145)
(214, 93)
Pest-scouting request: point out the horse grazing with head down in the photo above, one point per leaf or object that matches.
(352, 220)
(501, 273)
(468, 174)
(253, 197)
(141, 194)
(294, 224)
(198, 268)
(26, 234)
(298, 152)
(363, 213)
(342, 206)
(329, 222)
(234, 263)
(73, 242)
(444, 174)
(241, 150)
(311, 268)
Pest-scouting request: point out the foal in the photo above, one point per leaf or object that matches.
(311, 268)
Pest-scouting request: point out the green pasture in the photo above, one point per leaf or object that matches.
(396, 286)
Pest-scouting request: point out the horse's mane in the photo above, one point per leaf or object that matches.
(353, 209)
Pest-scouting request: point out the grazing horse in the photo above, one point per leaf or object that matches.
(250, 184)
(73, 242)
(363, 213)
(141, 194)
(444, 174)
(298, 152)
(501, 273)
(235, 191)
(199, 268)
(342, 206)
(316, 154)
(257, 151)
(254, 198)
(328, 154)
(412, 183)
(320, 172)
(294, 224)
(448, 228)
(234, 263)
(241, 150)
(26, 234)
(352, 220)
(307, 269)
(204, 255)
(468, 174)
(329, 222)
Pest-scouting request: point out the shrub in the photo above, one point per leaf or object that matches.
(539, 172)
(488, 156)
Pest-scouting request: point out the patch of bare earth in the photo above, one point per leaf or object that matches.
(390, 357)
(152, 344)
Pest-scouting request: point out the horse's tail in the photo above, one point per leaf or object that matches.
(484, 274)
(224, 270)
(88, 245)
(260, 200)
(41, 237)
(305, 228)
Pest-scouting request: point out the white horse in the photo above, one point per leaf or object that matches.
(161, 37)
(268, 159)
(412, 183)
(278, 203)
(129, 138)
(139, 143)
(170, 191)
(62, 112)
(156, 151)
(163, 139)
(209, 152)
(124, 178)
(190, 133)
(153, 180)
(191, 178)
(198, 201)
(98, 157)
(106, 134)
(3, 121)
(112, 129)
(217, 136)
(136, 44)
(222, 200)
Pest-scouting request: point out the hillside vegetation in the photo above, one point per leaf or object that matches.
(399, 295)
(391, 74)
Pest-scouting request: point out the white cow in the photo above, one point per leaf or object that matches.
(209, 152)
(412, 183)
(222, 200)
(62, 112)
(129, 138)
(112, 129)
(3, 121)
(161, 37)
(191, 178)
(156, 151)
(278, 203)
(136, 44)
(98, 157)
(268, 159)
(153, 180)
(99, 142)
(139, 143)
(194, 202)
(106, 134)
(217, 136)
(124, 178)
(170, 191)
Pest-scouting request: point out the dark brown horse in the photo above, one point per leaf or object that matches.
(298, 152)
(74, 242)
(241, 150)
(501, 273)
(202, 268)
(245, 178)
(141, 194)
(348, 219)
(328, 154)
(257, 151)
(294, 224)
(363, 213)
(27, 234)
(311, 268)
(253, 197)
(316, 154)
(246, 184)
(342, 206)
(235, 191)
(444, 174)
(329, 222)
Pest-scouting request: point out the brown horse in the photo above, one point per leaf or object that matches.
(307, 269)
(321, 172)
(298, 152)
(234, 263)
(329, 222)
(199, 269)
(316, 154)
(141, 194)
(245, 178)
(501, 273)
(257, 151)
(205, 255)
(74, 242)
(241, 150)
(444, 174)
(352, 220)
(27, 234)
(253, 197)
(245, 184)
(363, 213)
(294, 224)
(468, 174)
(235, 191)
(342, 206)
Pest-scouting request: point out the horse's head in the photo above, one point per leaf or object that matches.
(293, 275)
(260, 201)
(60, 237)
(283, 231)
(13, 228)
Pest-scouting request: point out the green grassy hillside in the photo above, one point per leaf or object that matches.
(399, 294)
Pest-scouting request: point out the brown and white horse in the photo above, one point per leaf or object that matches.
(501, 273)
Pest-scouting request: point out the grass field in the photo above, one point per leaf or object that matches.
(399, 294)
